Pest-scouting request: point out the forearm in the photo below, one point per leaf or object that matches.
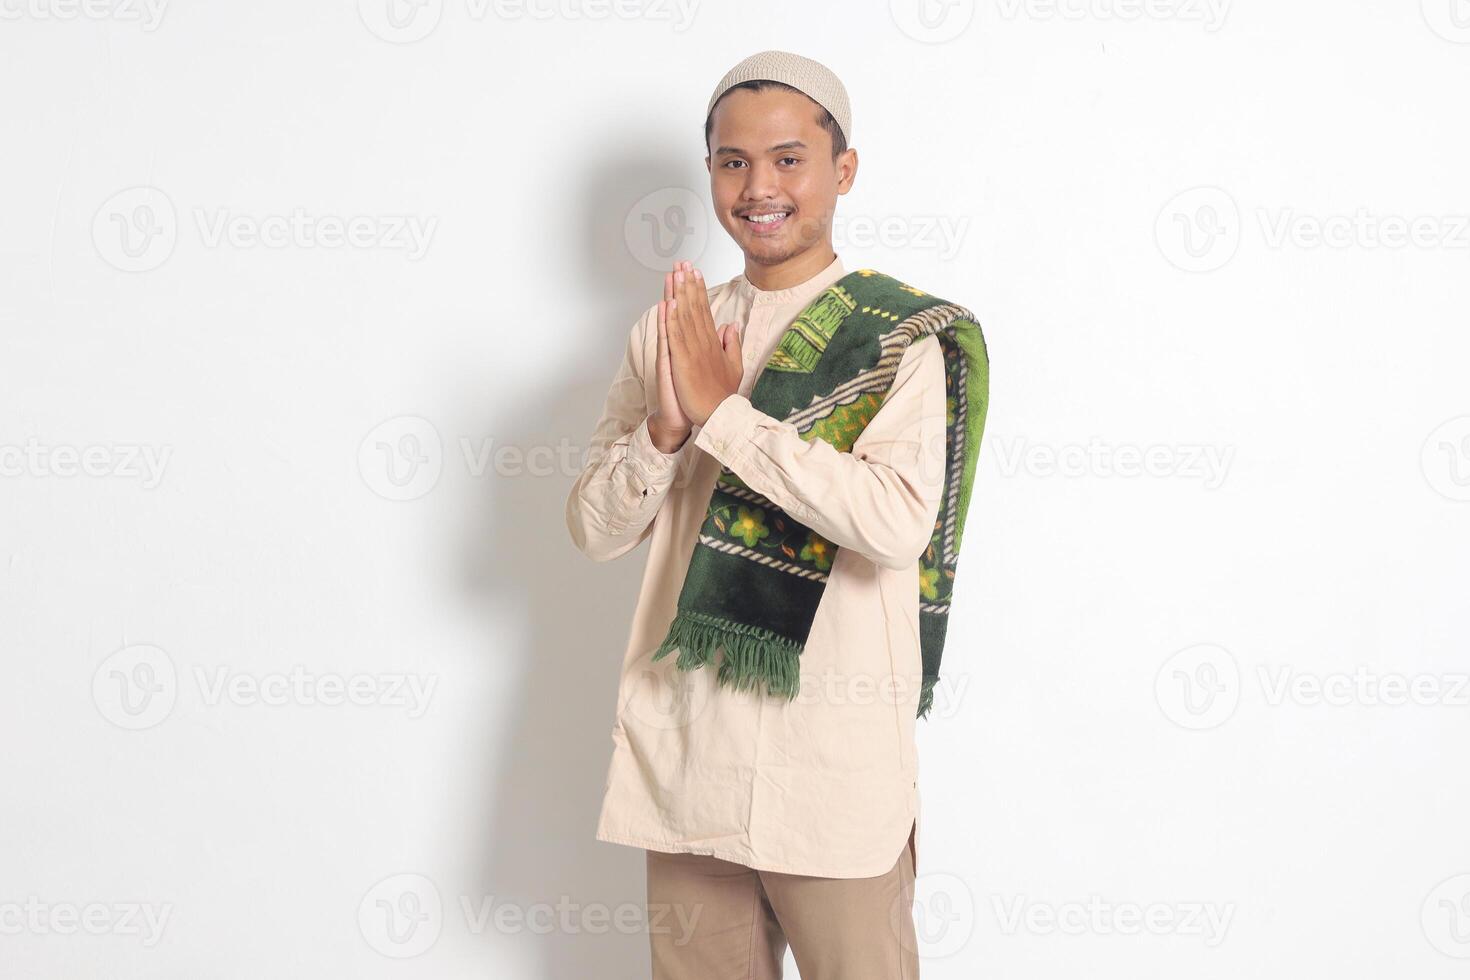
(882, 498)
(665, 441)
(612, 504)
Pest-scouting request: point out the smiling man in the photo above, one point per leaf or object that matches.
(798, 445)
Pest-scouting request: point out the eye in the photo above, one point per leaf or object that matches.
(728, 162)
(792, 159)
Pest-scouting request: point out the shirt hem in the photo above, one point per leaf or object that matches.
(744, 859)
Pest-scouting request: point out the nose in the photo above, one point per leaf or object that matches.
(761, 182)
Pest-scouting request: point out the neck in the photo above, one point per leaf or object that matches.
(791, 272)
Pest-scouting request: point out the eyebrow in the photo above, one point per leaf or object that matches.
(788, 145)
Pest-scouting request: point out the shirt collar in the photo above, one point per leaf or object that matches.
(801, 292)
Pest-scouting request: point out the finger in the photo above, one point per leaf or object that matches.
(668, 285)
(663, 331)
(698, 327)
(682, 304)
(677, 281)
(678, 343)
(701, 298)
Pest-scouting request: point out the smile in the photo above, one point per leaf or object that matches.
(767, 222)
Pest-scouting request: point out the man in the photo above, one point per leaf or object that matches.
(802, 546)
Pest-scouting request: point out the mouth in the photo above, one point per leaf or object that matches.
(766, 222)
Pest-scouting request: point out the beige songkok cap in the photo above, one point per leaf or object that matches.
(811, 78)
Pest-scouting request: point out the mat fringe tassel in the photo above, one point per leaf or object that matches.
(926, 694)
(752, 654)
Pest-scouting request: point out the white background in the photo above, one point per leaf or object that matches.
(1130, 723)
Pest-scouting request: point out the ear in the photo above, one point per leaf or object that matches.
(847, 165)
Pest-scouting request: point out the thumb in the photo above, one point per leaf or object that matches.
(730, 340)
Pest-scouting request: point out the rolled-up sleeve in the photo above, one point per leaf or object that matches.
(613, 501)
(882, 498)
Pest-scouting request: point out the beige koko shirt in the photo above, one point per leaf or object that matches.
(826, 784)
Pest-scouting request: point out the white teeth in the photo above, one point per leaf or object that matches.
(765, 219)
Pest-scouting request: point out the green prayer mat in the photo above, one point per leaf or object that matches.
(757, 575)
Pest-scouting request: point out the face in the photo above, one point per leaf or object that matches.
(769, 156)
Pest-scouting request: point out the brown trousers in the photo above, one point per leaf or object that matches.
(710, 919)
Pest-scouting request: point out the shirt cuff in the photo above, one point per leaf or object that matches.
(726, 432)
(654, 467)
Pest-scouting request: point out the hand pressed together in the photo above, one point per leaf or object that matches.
(699, 364)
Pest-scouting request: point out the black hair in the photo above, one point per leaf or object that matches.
(824, 118)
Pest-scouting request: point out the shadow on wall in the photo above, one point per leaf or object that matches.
(550, 749)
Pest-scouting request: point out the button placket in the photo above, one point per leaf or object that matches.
(751, 341)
